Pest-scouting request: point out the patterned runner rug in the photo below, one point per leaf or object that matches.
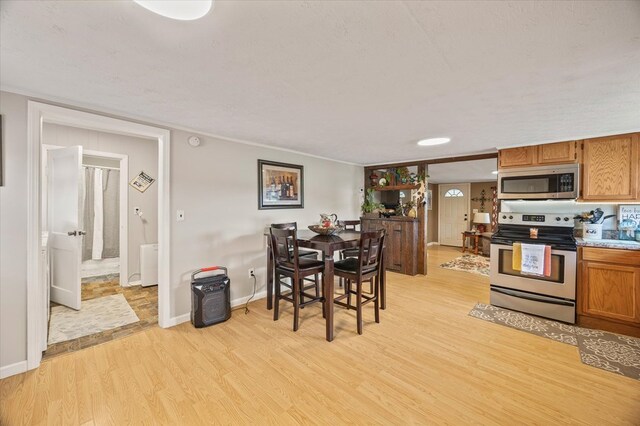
(94, 316)
(469, 263)
(601, 349)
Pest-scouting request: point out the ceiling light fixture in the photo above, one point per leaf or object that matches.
(434, 141)
(495, 172)
(183, 10)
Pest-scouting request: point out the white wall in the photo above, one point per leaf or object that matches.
(216, 184)
(143, 155)
(13, 228)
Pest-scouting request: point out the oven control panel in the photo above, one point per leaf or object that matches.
(537, 219)
(533, 218)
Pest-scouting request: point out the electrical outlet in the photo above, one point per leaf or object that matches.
(252, 272)
(179, 215)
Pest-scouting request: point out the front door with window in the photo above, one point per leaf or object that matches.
(453, 212)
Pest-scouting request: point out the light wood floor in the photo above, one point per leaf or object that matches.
(427, 362)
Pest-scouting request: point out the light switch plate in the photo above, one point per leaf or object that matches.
(180, 216)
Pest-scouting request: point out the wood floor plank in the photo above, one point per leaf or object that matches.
(426, 362)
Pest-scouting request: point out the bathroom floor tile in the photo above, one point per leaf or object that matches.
(143, 301)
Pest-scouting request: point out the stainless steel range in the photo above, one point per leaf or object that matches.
(552, 296)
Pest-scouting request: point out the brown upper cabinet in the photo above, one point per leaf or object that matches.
(610, 168)
(517, 157)
(538, 155)
(558, 153)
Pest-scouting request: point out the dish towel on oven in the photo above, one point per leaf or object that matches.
(533, 259)
(516, 257)
(547, 261)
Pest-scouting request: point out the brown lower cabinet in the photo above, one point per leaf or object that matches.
(401, 242)
(609, 290)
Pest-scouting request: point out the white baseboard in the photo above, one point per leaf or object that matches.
(13, 369)
(178, 320)
(235, 302)
(433, 243)
(243, 300)
(133, 283)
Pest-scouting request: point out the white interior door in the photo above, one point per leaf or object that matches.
(453, 213)
(64, 171)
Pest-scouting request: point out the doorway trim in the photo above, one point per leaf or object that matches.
(39, 113)
(464, 186)
(123, 232)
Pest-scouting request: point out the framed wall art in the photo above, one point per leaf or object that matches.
(280, 185)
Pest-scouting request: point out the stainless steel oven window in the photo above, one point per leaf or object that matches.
(505, 263)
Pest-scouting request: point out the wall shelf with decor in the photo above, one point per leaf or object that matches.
(406, 179)
(393, 178)
(396, 187)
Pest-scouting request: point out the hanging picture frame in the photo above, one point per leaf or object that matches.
(280, 185)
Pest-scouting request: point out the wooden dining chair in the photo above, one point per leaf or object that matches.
(289, 263)
(294, 225)
(308, 254)
(356, 270)
(352, 225)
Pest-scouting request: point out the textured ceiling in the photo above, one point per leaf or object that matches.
(354, 81)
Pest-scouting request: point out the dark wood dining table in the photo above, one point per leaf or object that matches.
(328, 245)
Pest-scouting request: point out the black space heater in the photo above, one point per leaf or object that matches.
(210, 297)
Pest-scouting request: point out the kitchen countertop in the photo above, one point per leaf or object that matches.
(614, 244)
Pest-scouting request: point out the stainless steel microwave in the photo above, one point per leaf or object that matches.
(560, 182)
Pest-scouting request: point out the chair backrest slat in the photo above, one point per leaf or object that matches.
(284, 245)
(371, 245)
(286, 225)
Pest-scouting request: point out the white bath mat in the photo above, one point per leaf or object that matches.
(94, 316)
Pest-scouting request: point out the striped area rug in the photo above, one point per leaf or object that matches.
(608, 351)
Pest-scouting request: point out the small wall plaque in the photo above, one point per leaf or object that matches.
(142, 181)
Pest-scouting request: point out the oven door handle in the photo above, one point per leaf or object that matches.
(533, 298)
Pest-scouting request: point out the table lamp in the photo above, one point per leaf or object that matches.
(482, 219)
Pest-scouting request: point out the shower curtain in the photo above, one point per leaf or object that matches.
(101, 213)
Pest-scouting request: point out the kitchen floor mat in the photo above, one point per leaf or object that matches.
(94, 316)
(469, 263)
(601, 349)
